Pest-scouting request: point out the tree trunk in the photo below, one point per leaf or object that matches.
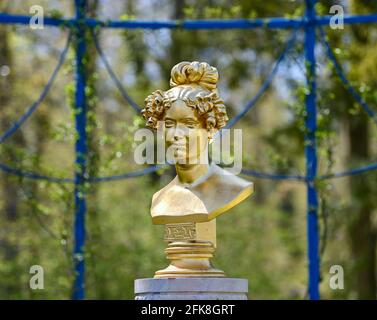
(10, 185)
(361, 233)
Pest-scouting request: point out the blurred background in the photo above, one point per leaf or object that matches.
(262, 239)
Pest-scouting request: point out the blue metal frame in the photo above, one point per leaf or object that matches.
(311, 151)
(81, 156)
(269, 23)
(309, 22)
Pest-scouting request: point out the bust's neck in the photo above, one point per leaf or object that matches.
(188, 173)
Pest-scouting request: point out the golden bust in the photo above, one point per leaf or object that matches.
(190, 114)
(192, 109)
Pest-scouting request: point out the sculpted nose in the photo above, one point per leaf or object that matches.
(179, 133)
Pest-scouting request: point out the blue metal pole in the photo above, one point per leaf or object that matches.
(81, 155)
(311, 151)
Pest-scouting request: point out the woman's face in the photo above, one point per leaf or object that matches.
(185, 134)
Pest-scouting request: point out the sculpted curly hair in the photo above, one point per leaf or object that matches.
(196, 84)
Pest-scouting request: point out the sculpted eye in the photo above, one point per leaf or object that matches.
(169, 123)
(191, 124)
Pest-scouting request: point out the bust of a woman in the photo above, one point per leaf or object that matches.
(191, 112)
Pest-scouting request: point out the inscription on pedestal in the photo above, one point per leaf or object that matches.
(180, 231)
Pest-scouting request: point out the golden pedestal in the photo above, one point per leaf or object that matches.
(190, 249)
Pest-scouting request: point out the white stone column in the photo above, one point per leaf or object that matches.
(191, 289)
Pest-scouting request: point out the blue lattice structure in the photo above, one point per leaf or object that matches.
(310, 23)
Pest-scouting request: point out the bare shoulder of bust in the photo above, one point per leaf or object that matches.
(214, 195)
(223, 190)
(166, 188)
(229, 179)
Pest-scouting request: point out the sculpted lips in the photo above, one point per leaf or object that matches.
(178, 148)
(178, 145)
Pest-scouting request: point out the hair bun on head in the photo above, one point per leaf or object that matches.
(195, 72)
